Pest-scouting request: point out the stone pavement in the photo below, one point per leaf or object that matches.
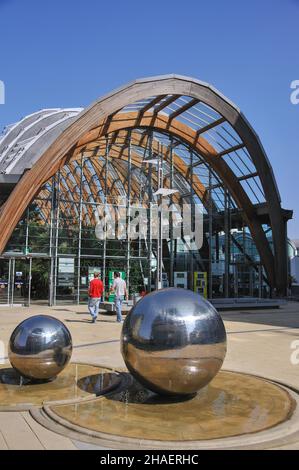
(259, 342)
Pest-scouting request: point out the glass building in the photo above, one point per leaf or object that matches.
(77, 186)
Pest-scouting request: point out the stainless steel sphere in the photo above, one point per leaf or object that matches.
(40, 347)
(173, 341)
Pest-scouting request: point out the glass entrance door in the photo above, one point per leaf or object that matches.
(19, 281)
(39, 281)
(24, 281)
(4, 281)
(14, 281)
(247, 280)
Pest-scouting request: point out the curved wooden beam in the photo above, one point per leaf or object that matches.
(199, 188)
(103, 109)
(188, 136)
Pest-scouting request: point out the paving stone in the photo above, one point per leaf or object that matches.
(17, 433)
(259, 342)
(50, 440)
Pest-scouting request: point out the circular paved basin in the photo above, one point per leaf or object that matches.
(233, 404)
(76, 381)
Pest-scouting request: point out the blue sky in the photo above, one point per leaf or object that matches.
(68, 53)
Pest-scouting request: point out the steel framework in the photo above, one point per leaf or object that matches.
(209, 150)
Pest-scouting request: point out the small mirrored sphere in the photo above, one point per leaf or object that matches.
(40, 347)
(173, 341)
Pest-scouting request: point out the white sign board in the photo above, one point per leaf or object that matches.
(66, 265)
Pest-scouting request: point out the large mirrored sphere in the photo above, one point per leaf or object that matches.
(173, 341)
(40, 347)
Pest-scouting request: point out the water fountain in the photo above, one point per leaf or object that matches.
(174, 396)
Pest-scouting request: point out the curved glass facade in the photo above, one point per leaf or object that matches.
(163, 180)
(62, 229)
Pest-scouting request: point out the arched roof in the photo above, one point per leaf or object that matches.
(22, 143)
(190, 111)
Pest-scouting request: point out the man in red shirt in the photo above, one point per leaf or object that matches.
(95, 292)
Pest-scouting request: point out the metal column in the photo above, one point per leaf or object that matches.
(27, 232)
(57, 214)
(105, 207)
(128, 215)
(80, 228)
(13, 262)
(210, 283)
(192, 221)
(149, 218)
(29, 283)
(51, 250)
(160, 221)
(171, 247)
(9, 282)
(227, 242)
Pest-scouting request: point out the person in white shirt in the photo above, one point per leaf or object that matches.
(120, 288)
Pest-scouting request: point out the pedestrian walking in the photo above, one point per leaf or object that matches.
(120, 288)
(95, 292)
